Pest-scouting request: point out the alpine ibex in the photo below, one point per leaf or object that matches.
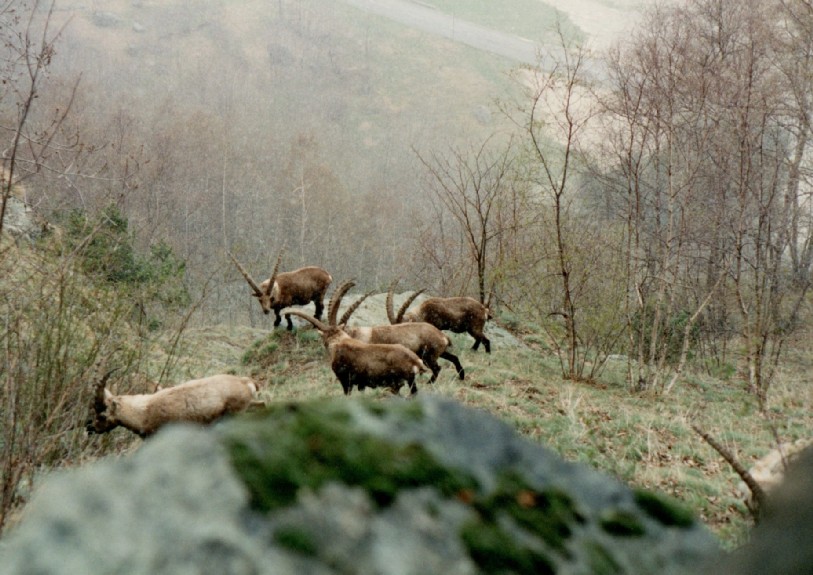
(281, 290)
(427, 341)
(360, 364)
(197, 401)
(457, 314)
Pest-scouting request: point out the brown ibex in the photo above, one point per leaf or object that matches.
(456, 314)
(197, 401)
(360, 364)
(427, 341)
(281, 290)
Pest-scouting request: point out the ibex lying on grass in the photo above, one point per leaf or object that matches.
(427, 341)
(281, 290)
(197, 401)
(360, 364)
(457, 314)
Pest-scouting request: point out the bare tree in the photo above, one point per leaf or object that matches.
(763, 120)
(560, 108)
(28, 46)
(486, 204)
(796, 67)
(708, 138)
(26, 435)
(658, 144)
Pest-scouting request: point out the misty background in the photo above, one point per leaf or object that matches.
(252, 125)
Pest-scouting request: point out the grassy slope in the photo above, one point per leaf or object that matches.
(530, 19)
(644, 439)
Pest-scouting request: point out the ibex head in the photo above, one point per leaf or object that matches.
(266, 292)
(103, 408)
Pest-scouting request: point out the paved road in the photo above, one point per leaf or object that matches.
(424, 17)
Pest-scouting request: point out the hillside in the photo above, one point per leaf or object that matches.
(644, 439)
(293, 128)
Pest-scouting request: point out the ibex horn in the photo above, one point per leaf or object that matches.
(349, 311)
(406, 305)
(243, 271)
(273, 277)
(98, 396)
(390, 306)
(336, 300)
(315, 322)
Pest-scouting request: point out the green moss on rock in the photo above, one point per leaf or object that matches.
(549, 514)
(600, 560)
(307, 445)
(494, 551)
(663, 510)
(621, 523)
(296, 540)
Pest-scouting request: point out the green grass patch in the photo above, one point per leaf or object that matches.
(526, 18)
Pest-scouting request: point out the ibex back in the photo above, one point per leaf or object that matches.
(196, 401)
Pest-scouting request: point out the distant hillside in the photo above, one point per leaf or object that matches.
(249, 124)
(362, 82)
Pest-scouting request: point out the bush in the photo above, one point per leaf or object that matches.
(670, 333)
(64, 319)
(106, 252)
(57, 328)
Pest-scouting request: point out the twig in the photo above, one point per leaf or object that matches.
(759, 496)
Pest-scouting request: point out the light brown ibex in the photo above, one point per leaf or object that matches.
(456, 314)
(284, 289)
(360, 364)
(427, 341)
(197, 401)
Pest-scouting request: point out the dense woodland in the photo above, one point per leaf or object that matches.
(652, 202)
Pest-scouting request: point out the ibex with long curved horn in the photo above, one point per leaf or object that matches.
(197, 401)
(284, 289)
(427, 341)
(360, 364)
(456, 314)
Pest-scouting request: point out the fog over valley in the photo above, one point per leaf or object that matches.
(253, 125)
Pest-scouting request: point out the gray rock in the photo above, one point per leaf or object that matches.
(782, 544)
(350, 486)
(21, 222)
(175, 506)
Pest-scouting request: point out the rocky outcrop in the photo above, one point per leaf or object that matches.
(21, 222)
(781, 543)
(350, 486)
(769, 470)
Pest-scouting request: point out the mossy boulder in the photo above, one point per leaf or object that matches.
(352, 486)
